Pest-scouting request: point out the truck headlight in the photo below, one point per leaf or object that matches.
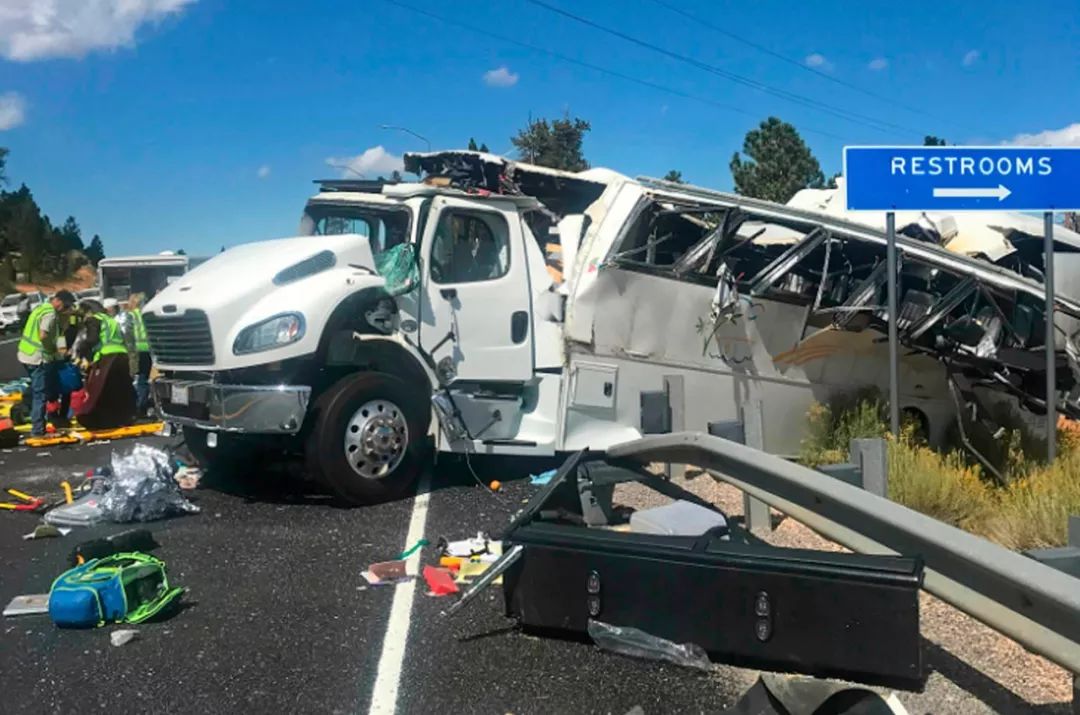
(270, 333)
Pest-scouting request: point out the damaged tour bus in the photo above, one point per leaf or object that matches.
(535, 311)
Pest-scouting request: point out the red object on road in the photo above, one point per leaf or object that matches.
(78, 397)
(440, 582)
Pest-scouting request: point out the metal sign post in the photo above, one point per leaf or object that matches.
(894, 341)
(1051, 377)
(965, 178)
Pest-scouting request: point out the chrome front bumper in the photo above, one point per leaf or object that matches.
(255, 409)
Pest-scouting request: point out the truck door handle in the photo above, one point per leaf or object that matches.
(519, 327)
(448, 293)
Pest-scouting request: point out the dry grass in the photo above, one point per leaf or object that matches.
(1032, 511)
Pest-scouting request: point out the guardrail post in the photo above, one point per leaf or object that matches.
(674, 387)
(756, 515)
(871, 456)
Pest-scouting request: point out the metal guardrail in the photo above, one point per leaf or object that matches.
(1034, 604)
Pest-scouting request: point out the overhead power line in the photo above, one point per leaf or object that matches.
(597, 68)
(802, 100)
(789, 60)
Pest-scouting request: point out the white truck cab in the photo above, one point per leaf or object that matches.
(503, 308)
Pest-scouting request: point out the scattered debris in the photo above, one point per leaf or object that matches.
(440, 581)
(32, 604)
(466, 548)
(84, 511)
(130, 540)
(413, 549)
(639, 644)
(469, 569)
(127, 588)
(386, 573)
(188, 477)
(46, 531)
(142, 487)
(29, 503)
(123, 636)
(539, 480)
(451, 562)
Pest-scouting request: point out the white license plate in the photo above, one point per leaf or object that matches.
(179, 395)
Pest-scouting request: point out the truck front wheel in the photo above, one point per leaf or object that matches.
(369, 440)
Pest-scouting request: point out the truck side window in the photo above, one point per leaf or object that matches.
(470, 247)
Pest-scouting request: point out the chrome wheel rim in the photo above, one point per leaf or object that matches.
(376, 437)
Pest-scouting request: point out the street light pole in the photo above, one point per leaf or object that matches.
(407, 131)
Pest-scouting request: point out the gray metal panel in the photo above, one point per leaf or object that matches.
(991, 274)
(1025, 587)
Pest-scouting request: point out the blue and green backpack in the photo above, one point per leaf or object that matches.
(128, 588)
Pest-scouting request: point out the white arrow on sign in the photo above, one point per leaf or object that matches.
(999, 192)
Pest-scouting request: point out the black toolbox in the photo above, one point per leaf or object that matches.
(745, 602)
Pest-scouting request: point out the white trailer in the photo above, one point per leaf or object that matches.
(671, 300)
(122, 277)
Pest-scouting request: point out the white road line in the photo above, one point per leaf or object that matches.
(9, 341)
(384, 696)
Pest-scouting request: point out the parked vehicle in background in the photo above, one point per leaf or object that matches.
(92, 294)
(9, 308)
(119, 278)
(512, 309)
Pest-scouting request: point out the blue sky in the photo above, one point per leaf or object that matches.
(163, 124)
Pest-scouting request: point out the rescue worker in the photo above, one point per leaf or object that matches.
(131, 321)
(38, 353)
(110, 399)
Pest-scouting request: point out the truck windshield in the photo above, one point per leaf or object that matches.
(383, 229)
(11, 300)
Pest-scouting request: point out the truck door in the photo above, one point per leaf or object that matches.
(476, 320)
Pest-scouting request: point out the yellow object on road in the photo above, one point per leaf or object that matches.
(68, 496)
(74, 436)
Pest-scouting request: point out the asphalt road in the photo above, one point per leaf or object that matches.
(279, 619)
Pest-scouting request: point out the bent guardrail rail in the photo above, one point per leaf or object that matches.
(1034, 604)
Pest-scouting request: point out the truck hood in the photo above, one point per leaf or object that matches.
(237, 289)
(246, 272)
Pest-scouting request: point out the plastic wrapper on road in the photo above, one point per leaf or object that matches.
(639, 644)
(142, 487)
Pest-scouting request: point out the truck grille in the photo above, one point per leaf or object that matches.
(180, 340)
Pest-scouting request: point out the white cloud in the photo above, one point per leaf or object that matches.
(263, 171)
(878, 63)
(818, 60)
(43, 29)
(1066, 136)
(501, 77)
(971, 58)
(372, 163)
(12, 110)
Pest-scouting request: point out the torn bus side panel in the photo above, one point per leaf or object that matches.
(947, 313)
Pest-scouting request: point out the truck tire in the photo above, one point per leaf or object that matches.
(369, 441)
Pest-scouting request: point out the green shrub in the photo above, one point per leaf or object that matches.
(1030, 511)
(944, 486)
(831, 428)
